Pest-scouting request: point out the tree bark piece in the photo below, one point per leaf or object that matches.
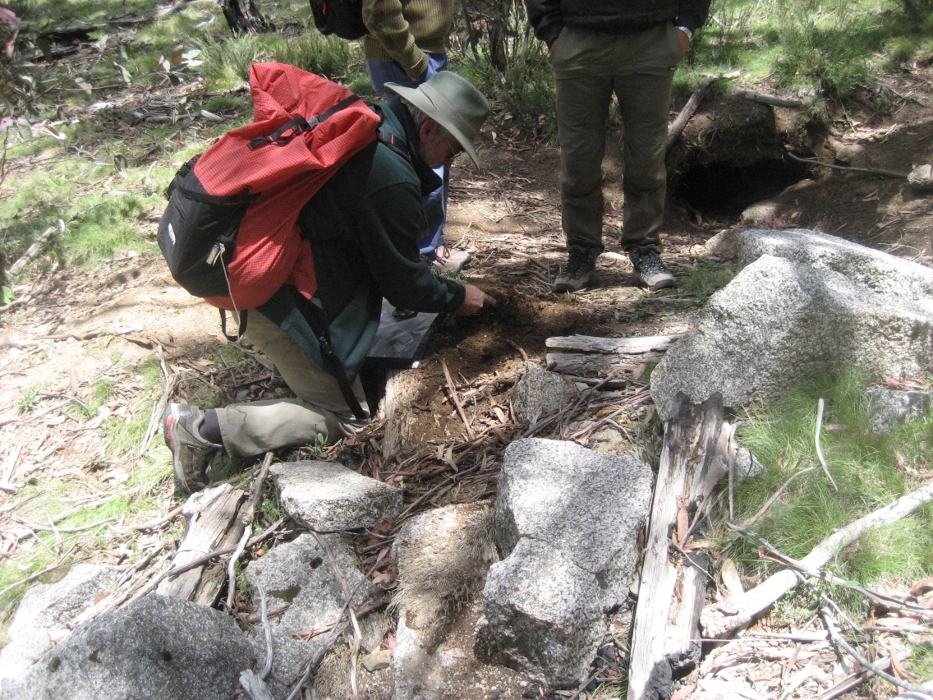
(212, 523)
(619, 346)
(726, 617)
(591, 356)
(673, 582)
(576, 363)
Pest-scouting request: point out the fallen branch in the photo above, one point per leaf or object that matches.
(456, 399)
(723, 618)
(687, 112)
(837, 638)
(769, 99)
(33, 250)
(873, 171)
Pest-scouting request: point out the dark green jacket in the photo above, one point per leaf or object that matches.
(364, 226)
(548, 17)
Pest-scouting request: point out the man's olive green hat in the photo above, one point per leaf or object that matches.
(454, 103)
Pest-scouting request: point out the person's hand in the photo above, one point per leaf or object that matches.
(684, 39)
(474, 300)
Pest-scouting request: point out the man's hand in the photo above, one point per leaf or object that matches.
(474, 300)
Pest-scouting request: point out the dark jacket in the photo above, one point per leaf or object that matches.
(548, 17)
(364, 226)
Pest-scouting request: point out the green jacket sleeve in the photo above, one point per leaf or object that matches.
(391, 253)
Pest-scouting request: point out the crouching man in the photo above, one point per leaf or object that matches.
(364, 226)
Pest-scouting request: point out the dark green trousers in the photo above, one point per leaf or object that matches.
(639, 68)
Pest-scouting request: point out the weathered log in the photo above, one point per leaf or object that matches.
(728, 616)
(595, 365)
(212, 523)
(617, 346)
(673, 579)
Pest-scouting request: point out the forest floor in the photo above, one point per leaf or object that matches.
(127, 326)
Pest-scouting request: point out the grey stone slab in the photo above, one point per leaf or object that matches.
(865, 267)
(47, 610)
(158, 648)
(327, 497)
(541, 393)
(778, 322)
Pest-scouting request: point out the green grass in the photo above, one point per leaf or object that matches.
(864, 466)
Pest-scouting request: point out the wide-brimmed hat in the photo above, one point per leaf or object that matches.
(454, 103)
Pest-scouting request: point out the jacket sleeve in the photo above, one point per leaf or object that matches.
(693, 13)
(546, 19)
(391, 253)
(388, 26)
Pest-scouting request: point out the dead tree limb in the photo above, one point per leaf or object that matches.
(852, 168)
(834, 633)
(673, 586)
(32, 251)
(769, 99)
(687, 112)
(211, 522)
(722, 619)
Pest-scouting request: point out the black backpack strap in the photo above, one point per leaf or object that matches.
(241, 329)
(304, 320)
(299, 125)
(395, 143)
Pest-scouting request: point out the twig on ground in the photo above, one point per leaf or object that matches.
(819, 450)
(33, 250)
(156, 524)
(764, 509)
(267, 629)
(39, 574)
(873, 171)
(348, 594)
(246, 519)
(456, 399)
(156, 417)
(834, 633)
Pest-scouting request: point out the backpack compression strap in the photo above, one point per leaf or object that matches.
(299, 125)
(304, 320)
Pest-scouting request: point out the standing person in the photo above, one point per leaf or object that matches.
(407, 45)
(363, 225)
(631, 48)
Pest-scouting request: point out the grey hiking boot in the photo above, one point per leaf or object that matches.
(191, 454)
(650, 271)
(579, 271)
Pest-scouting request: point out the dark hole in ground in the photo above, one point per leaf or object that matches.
(719, 189)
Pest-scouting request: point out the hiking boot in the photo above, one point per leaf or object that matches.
(579, 271)
(650, 271)
(191, 454)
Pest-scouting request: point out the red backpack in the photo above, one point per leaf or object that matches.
(229, 233)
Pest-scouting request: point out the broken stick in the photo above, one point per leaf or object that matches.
(721, 619)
